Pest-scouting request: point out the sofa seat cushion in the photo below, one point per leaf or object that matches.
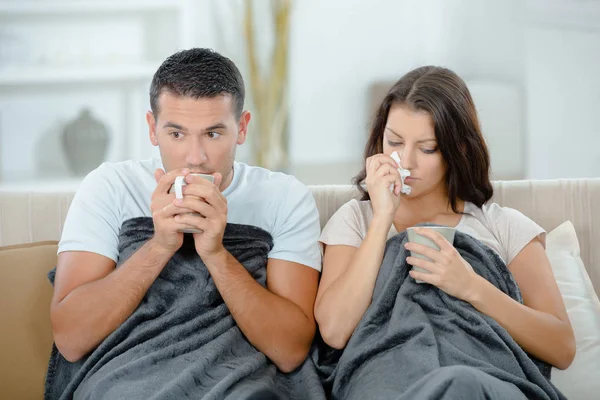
(26, 334)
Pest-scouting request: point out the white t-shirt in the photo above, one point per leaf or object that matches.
(116, 192)
(504, 230)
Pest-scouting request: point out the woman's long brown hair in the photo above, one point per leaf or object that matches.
(445, 96)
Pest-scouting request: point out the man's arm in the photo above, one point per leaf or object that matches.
(279, 320)
(92, 298)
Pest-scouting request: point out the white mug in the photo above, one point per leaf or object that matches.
(177, 188)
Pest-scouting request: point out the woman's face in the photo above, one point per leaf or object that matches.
(411, 134)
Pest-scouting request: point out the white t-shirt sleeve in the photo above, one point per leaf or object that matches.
(93, 221)
(514, 230)
(344, 227)
(297, 228)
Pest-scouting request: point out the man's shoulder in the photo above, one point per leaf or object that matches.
(264, 176)
(268, 193)
(124, 173)
(262, 182)
(132, 168)
(120, 181)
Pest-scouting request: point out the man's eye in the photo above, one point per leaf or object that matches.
(176, 135)
(213, 135)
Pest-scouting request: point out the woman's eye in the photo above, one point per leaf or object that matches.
(394, 144)
(429, 151)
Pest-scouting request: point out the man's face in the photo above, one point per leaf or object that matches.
(199, 134)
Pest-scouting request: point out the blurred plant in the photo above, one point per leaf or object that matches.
(269, 86)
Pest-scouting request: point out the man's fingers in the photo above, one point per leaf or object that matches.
(170, 210)
(192, 220)
(197, 206)
(176, 225)
(158, 174)
(166, 180)
(208, 193)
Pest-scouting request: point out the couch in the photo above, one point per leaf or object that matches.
(31, 222)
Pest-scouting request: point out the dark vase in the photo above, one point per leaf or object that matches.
(85, 142)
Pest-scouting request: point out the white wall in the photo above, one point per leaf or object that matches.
(545, 52)
(57, 58)
(345, 46)
(563, 103)
(339, 48)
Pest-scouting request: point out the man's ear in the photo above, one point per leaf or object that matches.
(151, 127)
(243, 127)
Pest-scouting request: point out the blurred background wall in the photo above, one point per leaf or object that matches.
(74, 78)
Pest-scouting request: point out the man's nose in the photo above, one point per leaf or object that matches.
(196, 154)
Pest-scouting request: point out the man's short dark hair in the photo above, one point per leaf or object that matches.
(198, 73)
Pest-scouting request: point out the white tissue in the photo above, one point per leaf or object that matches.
(403, 174)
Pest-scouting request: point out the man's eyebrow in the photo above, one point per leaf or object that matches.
(173, 125)
(220, 125)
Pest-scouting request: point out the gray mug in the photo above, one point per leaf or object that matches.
(413, 237)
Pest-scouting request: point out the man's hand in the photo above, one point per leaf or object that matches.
(203, 197)
(164, 211)
(80, 321)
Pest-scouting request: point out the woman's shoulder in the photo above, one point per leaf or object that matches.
(348, 225)
(506, 222)
(363, 206)
(356, 207)
(496, 213)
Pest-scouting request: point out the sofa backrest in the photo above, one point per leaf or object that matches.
(33, 218)
(27, 217)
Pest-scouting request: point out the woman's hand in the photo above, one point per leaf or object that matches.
(447, 270)
(382, 172)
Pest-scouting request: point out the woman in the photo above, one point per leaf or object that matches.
(429, 118)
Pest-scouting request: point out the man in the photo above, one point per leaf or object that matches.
(197, 121)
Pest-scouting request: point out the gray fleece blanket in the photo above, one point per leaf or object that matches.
(182, 342)
(416, 342)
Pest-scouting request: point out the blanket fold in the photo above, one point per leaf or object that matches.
(417, 342)
(181, 342)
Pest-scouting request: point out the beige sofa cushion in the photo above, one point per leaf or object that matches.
(26, 334)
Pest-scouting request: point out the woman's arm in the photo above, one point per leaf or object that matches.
(347, 283)
(349, 274)
(541, 325)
